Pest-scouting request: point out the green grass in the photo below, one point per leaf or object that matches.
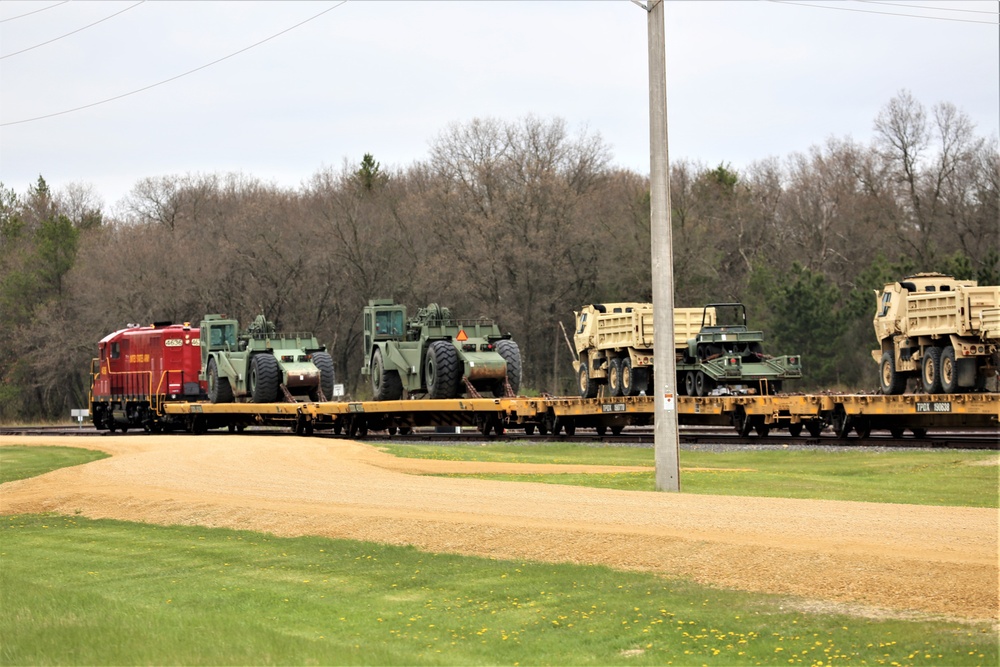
(77, 591)
(21, 462)
(946, 477)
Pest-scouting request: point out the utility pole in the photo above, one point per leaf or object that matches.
(666, 441)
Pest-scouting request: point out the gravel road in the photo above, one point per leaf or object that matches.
(852, 557)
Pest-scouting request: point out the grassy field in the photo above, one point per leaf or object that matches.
(75, 591)
(921, 477)
(23, 462)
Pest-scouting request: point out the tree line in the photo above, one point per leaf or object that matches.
(519, 221)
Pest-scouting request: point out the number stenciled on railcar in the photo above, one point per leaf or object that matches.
(613, 407)
(934, 406)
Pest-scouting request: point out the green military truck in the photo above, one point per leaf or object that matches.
(436, 354)
(261, 365)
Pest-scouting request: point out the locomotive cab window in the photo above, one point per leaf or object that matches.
(115, 351)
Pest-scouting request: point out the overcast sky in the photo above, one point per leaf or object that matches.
(745, 80)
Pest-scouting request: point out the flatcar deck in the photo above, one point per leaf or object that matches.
(860, 413)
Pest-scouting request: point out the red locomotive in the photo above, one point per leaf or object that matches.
(138, 368)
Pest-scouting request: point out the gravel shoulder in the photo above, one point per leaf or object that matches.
(860, 557)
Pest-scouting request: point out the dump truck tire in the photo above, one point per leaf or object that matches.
(890, 381)
(509, 350)
(324, 362)
(615, 377)
(441, 371)
(264, 379)
(948, 371)
(930, 370)
(588, 388)
(219, 389)
(386, 385)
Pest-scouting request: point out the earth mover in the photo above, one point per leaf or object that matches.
(435, 354)
(261, 365)
(942, 331)
(712, 346)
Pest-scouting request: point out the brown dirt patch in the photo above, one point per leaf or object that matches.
(907, 558)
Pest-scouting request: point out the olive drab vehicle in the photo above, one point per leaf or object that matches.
(942, 331)
(714, 349)
(435, 354)
(261, 365)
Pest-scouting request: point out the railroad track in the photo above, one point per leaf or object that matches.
(984, 439)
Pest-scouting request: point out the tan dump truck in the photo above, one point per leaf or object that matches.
(941, 330)
(713, 348)
(614, 344)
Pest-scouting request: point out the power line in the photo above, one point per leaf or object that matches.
(21, 16)
(174, 78)
(924, 7)
(73, 32)
(869, 11)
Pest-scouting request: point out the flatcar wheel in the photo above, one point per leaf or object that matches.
(863, 429)
(896, 432)
(841, 422)
(616, 430)
(795, 430)
(570, 427)
(814, 428)
(919, 432)
(601, 429)
(529, 429)
(742, 421)
(761, 429)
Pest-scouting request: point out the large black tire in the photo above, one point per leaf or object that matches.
(327, 377)
(689, 387)
(629, 386)
(948, 371)
(442, 370)
(890, 381)
(702, 384)
(588, 388)
(386, 385)
(264, 379)
(219, 389)
(930, 370)
(509, 350)
(615, 377)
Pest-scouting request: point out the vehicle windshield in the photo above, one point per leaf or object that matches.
(389, 322)
(730, 315)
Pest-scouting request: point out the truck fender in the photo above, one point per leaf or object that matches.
(227, 368)
(393, 357)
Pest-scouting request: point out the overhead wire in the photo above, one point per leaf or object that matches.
(872, 11)
(56, 39)
(178, 76)
(925, 7)
(21, 16)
